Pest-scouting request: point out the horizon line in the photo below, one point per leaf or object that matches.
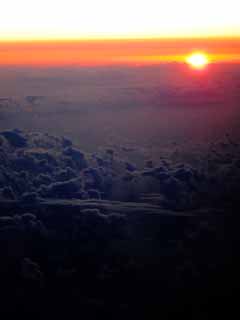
(120, 38)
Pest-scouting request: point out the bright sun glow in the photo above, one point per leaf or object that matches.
(197, 60)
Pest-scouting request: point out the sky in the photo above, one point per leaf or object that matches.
(74, 19)
(116, 52)
(104, 32)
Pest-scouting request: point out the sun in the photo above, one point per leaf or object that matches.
(197, 60)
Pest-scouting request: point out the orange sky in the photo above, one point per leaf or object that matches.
(108, 52)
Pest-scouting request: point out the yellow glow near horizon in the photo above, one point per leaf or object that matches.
(80, 19)
(198, 60)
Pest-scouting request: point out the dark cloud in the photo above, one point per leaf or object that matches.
(46, 168)
(33, 99)
(14, 138)
(84, 249)
(29, 197)
(99, 233)
(66, 189)
(77, 156)
(7, 193)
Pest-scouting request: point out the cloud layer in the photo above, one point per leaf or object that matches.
(93, 235)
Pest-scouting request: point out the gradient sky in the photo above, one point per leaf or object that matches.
(109, 52)
(74, 19)
(94, 32)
